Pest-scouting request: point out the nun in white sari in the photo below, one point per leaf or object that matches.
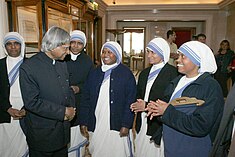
(189, 128)
(151, 85)
(13, 141)
(104, 109)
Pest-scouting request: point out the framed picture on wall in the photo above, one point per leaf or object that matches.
(27, 23)
(60, 19)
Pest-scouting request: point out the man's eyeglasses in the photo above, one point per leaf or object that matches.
(9, 44)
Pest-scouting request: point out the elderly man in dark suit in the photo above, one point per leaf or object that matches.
(47, 96)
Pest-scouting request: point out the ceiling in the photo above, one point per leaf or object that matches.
(160, 2)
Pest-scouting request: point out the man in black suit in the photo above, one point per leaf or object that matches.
(11, 102)
(48, 99)
(221, 145)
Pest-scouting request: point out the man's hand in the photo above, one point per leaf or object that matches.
(69, 113)
(124, 132)
(76, 89)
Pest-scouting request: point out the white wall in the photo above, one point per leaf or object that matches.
(3, 25)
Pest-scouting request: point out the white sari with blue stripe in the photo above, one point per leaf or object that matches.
(145, 147)
(77, 143)
(103, 141)
(13, 141)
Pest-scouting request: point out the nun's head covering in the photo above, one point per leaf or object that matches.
(201, 55)
(78, 35)
(160, 47)
(16, 37)
(115, 48)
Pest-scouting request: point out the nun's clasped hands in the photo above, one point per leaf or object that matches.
(156, 108)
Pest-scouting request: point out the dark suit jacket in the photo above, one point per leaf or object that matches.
(167, 74)
(4, 93)
(46, 94)
(223, 138)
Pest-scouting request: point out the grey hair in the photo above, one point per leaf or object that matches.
(53, 38)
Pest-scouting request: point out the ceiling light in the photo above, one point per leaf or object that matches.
(154, 11)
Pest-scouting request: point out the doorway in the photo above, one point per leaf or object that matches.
(183, 34)
(133, 48)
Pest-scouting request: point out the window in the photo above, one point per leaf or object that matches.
(134, 41)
